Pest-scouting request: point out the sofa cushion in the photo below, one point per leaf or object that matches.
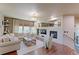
(14, 38)
(8, 38)
(4, 39)
(8, 43)
(0, 40)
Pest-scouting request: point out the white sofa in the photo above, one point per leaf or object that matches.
(22, 35)
(9, 43)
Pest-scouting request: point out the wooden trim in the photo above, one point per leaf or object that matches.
(11, 53)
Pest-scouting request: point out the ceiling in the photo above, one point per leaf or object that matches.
(23, 10)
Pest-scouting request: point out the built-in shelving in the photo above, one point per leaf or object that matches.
(50, 24)
(47, 24)
(8, 25)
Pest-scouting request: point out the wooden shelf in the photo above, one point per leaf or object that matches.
(47, 24)
(8, 25)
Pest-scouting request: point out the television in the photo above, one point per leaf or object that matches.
(43, 31)
(53, 34)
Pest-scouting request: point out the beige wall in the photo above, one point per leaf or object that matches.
(76, 21)
(68, 25)
(1, 26)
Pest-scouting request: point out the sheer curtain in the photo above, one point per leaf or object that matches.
(22, 26)
(25, 29)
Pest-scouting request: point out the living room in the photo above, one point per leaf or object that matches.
(38, 29)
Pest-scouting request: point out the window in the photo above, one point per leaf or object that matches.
(33, 30)
(16, 29)
(20, 29)
(26, 29)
